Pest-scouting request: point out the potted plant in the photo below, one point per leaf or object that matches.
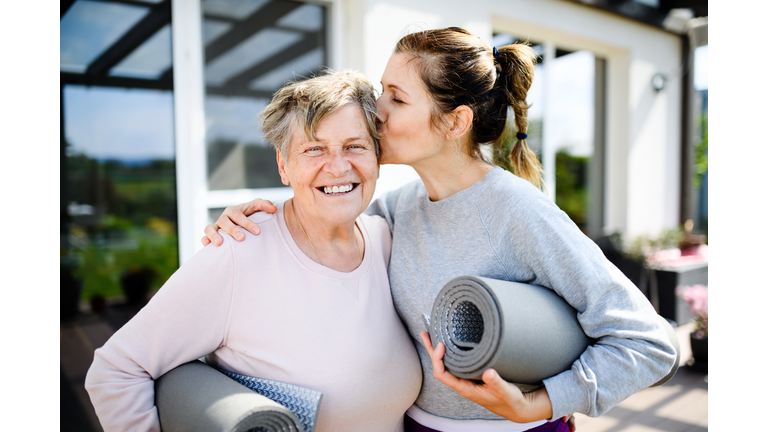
(697, 299)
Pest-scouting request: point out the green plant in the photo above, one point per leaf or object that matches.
(700, 150)
(643, 248)
(152, 250)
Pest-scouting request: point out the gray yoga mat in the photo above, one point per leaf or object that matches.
(195, 397)
(527, 333)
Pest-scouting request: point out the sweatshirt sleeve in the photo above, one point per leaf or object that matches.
(632, 349)
(185, 320)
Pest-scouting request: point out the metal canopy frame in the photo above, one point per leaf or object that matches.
(97, 72)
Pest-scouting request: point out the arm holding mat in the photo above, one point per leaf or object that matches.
(538, 244)
(527, 333)
(185, 320)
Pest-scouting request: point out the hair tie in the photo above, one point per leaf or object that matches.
(522, 136)
(495, 54)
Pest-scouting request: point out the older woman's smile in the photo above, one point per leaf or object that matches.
(338, 189)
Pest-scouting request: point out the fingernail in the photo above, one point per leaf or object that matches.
(239, 236)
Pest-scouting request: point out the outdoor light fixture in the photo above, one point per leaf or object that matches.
(658, 82)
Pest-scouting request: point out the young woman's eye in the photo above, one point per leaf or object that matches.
(396, 100)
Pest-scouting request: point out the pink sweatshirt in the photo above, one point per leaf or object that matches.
(262, 308)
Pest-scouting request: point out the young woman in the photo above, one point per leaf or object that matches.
(446, 95)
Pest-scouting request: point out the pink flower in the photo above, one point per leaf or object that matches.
(697, 299)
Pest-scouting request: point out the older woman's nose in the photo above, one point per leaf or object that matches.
(339, 164)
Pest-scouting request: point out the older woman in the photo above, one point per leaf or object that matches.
(299, 302)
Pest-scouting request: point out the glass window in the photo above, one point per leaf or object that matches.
(251, 50)
(89, 27)
(150, 60)
(118, 218)
(701, 146)
(118, 192)
(565, 120)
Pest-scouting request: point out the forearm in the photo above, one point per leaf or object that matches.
(122, 401)
(632, 350)
(185, 320)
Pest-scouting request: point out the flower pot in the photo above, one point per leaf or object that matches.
(136, 285)
(699, 349)
(98, 304)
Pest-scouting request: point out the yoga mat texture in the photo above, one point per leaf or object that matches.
(527, 333)
(195, 397)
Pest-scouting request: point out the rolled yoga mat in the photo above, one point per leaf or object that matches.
(195, 397)
(527, 333)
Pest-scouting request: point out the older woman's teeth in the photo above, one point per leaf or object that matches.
(337, 189)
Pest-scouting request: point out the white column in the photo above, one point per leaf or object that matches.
(189, 124)
(547, 143)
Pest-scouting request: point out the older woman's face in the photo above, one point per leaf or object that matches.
(333, 177)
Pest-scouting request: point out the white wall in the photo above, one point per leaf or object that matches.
(643, 136)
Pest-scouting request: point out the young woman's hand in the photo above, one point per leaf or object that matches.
(571, 421)
(495, 394)
(234, 216)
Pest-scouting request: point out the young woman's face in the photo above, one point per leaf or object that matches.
(407, 134)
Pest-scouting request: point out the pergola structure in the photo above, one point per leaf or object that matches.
(97, 72)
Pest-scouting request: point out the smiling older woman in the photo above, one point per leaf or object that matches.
(299, 302)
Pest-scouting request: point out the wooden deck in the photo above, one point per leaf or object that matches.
(680, 405)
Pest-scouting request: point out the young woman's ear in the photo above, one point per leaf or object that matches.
(459, 122)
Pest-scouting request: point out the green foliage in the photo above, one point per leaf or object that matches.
(700, 150)
(571, 186)
(133, 225)
(102, 263)
(641, 248)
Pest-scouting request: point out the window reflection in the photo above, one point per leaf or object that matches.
(90, 27)
(118, 239)
(121, 195)
(251, 50)
(118, 220)
(246, 54)
(150, 60)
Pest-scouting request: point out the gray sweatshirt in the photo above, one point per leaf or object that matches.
(502, 227)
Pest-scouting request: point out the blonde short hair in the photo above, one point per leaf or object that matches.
(305, 104)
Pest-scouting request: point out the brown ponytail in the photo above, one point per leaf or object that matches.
(517, 63)
(457, 68)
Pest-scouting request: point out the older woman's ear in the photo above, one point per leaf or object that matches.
(281, 169)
